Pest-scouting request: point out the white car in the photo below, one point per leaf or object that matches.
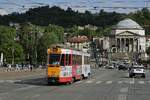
(136, 70)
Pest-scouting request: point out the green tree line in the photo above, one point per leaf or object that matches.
(43, 26)
(28, 43)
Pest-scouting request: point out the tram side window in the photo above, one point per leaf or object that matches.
(80, 59)
(68, 59)
(77, 59)
(62, 63)
(74, 59)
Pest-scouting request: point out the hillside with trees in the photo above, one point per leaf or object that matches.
(41, 27)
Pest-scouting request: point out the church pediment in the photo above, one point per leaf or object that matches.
(127, 33)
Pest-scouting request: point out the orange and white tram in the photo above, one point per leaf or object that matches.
(67, 65)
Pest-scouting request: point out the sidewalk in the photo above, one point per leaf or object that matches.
(17, 74)
(6, 69)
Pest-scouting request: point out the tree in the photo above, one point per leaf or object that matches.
(13, 52)
(45, 42)
(29, 35)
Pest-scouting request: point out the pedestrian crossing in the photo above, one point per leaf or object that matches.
(9, 81)
(92, 81)
(107, 82)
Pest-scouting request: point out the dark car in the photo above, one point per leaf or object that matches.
(122, 67)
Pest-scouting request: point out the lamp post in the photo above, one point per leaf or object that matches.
(38, 35)
(13, 55)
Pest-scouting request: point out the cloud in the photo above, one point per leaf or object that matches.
(3, 12)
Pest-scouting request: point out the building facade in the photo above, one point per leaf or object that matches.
(79, 42)
(126, 37)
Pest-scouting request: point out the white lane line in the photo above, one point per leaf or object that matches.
(90, 81)
(141, 82)
(108, 82)
(98, 82)
(2, 81)
(122, 97)
(79, 82)
(124, 90)
(119, 82)
(36, 95)
(10, 81)
(17, 81)
(132, 82)
(25, 88)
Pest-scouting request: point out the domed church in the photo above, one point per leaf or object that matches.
(129, 36)
(126, 37)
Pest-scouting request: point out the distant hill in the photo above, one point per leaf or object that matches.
(44, 16)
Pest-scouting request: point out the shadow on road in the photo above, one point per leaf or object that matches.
(37, 82)
(33, 81)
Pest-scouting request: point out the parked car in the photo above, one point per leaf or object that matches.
(136, 70)
(122, 67)
(110, 66)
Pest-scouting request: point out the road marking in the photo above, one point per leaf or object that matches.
(141, 82)
(119, 82)
(2, 81)
(132, 82)
(37, 95)
(108, 82)
(90, 81)
(124, 90)
(122, 97)
(79, 82)
(17, 81)
(10, 81)
(98, 82)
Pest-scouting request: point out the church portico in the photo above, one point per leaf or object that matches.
(126, 38)
(126, 44)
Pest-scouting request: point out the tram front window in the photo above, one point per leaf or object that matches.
(54, 59)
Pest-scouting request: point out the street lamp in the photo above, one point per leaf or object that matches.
(13, 55)
(38, 36)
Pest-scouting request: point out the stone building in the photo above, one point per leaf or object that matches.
(126, 38)
(79, 42)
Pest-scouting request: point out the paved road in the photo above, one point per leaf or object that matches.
(104, 84)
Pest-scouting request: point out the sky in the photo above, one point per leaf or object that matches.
(121, 6)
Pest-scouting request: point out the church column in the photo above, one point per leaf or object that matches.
(124, 45)
(118, 45)
(120, 48)
(134, 45)
(129, 44)
(137, 44)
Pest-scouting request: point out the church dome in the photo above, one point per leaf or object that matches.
(128, 24)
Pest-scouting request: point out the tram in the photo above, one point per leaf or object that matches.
(67, 65)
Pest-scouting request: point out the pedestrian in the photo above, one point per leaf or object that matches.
(9, 67)
(31, 67)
